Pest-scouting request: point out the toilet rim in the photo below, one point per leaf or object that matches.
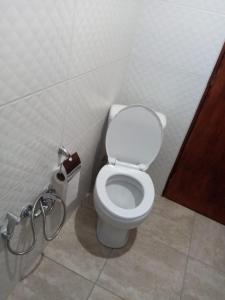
(111, 208)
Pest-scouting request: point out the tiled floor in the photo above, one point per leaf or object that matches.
(175, 254)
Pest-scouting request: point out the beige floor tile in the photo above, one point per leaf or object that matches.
(203, 283)
(208, 242)
(77, 247)
(170, 223)
(101, 294)
(148, 270)
(170, 209)
(51, 281)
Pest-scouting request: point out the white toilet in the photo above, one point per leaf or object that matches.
(124, 192)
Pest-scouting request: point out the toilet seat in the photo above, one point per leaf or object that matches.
(134, 137)
(115, 212)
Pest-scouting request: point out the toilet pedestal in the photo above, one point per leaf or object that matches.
(111, 236)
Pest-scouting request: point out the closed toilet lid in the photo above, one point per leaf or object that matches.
(134, 136)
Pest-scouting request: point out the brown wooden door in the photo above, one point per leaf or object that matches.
(197, 179)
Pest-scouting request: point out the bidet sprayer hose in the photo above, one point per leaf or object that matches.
(17, 252)
(46, 203)
(54, 235)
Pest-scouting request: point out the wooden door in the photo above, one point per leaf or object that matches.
(197, 179)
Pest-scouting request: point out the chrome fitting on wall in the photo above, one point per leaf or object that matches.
(13, 220)
(63, 153)
(43, 206)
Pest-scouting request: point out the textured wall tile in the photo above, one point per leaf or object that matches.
(176, 94)
(90, 97)
(90, 149)
(174, 52)
(103, 31)
(44, 43)
(31, 131)
(35, 40)
(183, 38)
(217, 6)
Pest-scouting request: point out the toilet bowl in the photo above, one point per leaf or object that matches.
(124, 193)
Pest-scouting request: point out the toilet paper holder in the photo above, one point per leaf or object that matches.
(63, 152)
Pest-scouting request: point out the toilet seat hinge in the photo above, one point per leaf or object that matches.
(114, 161)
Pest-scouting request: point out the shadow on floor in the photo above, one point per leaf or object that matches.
(85, 229)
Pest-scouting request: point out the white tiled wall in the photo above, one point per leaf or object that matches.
(61, 67)
(176, 46)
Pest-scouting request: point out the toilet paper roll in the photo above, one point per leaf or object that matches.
(60, 182)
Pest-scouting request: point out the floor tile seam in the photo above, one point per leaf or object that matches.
(161, 215)
(179, 252)
(188, 255)
(68, 269)
(169, 246)
(103, 267)
(100, 272)
(90, 293)
(155, 239)
(192, 233)
(222, 273)
(99, 284)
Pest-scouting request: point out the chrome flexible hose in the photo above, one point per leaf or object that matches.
(34, 214)
(54, 235)
(16, 252)
(8, 241)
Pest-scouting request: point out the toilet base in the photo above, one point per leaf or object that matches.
(111, 236)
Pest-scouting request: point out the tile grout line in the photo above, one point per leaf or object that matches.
(187, 259)
(68, 269)
(167, 245)
(95, 283)
(33, 93)
(65, 80)
(160, 241)
(207, 265)
(90, 293)
(80, 275)
(198, 260)
(109, 291)
(111, 62)
(189, 247)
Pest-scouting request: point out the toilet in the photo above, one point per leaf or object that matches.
(124, 193)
